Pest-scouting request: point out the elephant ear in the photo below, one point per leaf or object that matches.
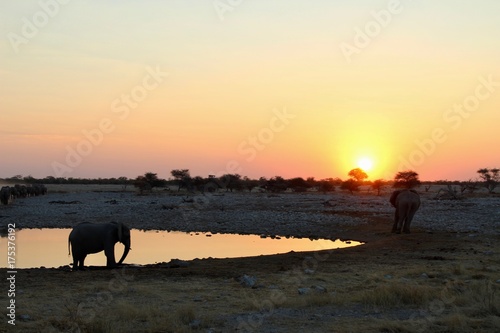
(393, 197)
(120, 232)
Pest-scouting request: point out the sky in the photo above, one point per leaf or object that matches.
(292, 88)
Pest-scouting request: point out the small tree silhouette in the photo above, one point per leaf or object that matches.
(378, 185)
(490, 177)
(182, 177)
(358, 174)
(327, 185)
(357, 177)
(351, 185)
(147, 182)
(276, 184)
(406, 179)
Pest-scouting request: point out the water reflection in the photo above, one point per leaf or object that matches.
(49, 247)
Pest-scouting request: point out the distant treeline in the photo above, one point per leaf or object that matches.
(70, 180)
(181, 178)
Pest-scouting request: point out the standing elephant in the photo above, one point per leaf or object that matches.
(5, 194)
(86, 238)
(406, 203)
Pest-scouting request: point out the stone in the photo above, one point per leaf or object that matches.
(248, 281)
(195, 324)
(304, 291)
(320, 289)
(25, 317)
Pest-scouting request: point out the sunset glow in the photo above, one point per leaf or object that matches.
(263, 88)
(365, 163)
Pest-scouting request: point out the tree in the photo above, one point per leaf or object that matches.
(357, 177)
(351, 185)
(231, 182)
(142, 184)
(147, 182)
(490, 177)
(298, 184)
(200, 184)
(327, 185)
(358, 174)
(124, 181)
(276, 184)
(250, 184)
(378, 185)
(470, 186)
(406, 179)
(153, 180)
(182, 177)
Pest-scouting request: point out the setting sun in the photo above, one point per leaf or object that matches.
(365, 163)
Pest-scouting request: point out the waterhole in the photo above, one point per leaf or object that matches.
(49, 247)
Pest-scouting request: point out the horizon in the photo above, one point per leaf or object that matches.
(260, 89)
(169, 178)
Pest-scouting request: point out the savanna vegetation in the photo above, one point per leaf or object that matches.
(181, 179)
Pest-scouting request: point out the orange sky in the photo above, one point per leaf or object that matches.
(266, 88)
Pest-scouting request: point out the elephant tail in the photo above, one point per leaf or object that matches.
(69, 249)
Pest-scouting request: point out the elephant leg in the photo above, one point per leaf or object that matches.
(400, 223)
(406, 228)
(406, 225)
(395, 225)
(110, 257)
(78, 261)
(81, 262)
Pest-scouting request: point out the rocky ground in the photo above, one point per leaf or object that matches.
(300, 215)
(444, 277)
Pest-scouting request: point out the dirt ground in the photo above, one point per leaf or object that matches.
(426, 281)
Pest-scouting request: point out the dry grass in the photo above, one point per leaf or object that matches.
(393, 295)
(449, 302)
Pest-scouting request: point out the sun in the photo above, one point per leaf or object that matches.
(365, 163)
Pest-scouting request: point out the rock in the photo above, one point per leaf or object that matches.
(195, 324)
(320, 289)
(25, 317)
(424, 276)
(248, 281)
(316, 289)
(388, 276)
(308, 271)
(304, 291)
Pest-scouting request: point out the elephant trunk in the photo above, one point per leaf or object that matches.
(125, 252)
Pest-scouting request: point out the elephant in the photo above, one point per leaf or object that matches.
(21, 190)
(406, 203)
(86, 238)
(39, 189)
(5, 194)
